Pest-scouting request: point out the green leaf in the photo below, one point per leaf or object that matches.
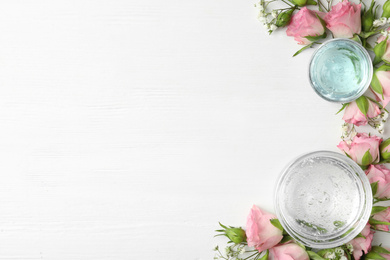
(323, 252)
(276, 223)
(338, 223)
(377, 222)
(377, 209)
(367, 158)
(286, 239)
(316, 38)
(362, 103)
(379, 50)
(222, 225)
(314, 256)
(374, 188)
(380, 250)
(265, 256)
(376, 85)
(311, 2)
(304, 48)
(384, 145)
(374, 255)
(344, 106)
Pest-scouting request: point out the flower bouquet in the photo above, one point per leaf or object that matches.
(311, 22)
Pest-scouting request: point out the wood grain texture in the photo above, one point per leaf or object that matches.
(130, 128)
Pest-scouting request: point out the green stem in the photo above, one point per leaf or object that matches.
(250, 256)
(323, 6)
(287, 3)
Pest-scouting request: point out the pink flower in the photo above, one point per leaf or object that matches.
(384, 81)
(379, 173)
(353, 115)
(305, 23)
(260, 233)
(382, 216)
(362, 244)
(344, 19)
(359, 146)
(289, 251)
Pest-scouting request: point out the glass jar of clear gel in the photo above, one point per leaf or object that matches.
(323, 199)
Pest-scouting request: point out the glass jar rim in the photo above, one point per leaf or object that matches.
(370, 70)
(353, 228)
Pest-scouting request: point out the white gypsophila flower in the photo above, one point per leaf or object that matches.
(330, 255)
(384, 33)
(339, 251)
(242, 250)
(376, 23)
(273, 27)
(261, 14)
(350, 248)
(384, 115)
(263, 20)
(380, 126)
(266, 26)
(343, 258)
(345, 128)
(274, 14)
(384, 20)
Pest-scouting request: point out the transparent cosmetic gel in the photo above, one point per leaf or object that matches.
(340, 70)
(323, 199)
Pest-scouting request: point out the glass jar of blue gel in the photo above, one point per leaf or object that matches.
(340, 70)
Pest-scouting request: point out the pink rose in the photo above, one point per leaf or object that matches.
(383, 77)
(305, 23)
(353, 115)
(260, 233)
(359, 146)
(379, 173)
(362, 244)
(288, 252)
(343, 20)
(382, 216)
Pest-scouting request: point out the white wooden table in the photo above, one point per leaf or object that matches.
(130, 128)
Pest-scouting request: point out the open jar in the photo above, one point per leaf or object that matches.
(340, 70)
(323, 199)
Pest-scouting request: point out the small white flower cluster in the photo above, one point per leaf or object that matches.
(349, 132)
(381, 22)
(231, 252)
(379, 122)
(337, 253)
(263, 16)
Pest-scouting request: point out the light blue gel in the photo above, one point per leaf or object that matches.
(340, 70)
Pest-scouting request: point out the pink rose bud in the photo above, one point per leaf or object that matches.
(306, 26)
(356, 115)
(260, 232)
(363, 149)
(381, 219)
(343, 20)
(362, 243)
(380, 174)
(380, 84)
(288, 252)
